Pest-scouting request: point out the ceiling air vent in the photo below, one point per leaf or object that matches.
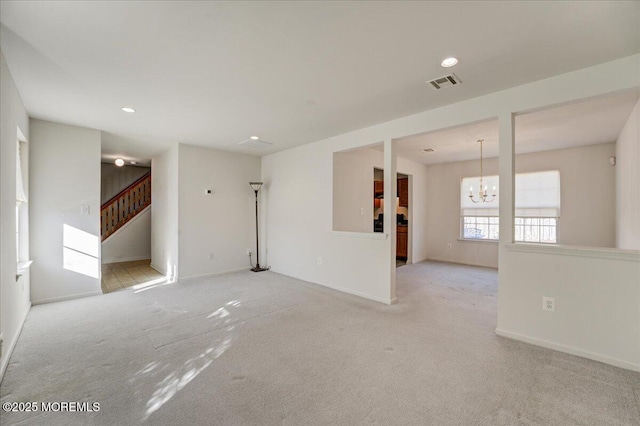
(256, 144)
(446, 81)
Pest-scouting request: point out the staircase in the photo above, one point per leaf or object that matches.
(124, 206)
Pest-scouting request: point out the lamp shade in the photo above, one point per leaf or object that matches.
(255, 185)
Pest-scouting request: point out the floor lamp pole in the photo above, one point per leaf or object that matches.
(256, 187)
(257, 233)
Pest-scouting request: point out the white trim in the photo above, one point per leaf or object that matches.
(163, 271)
(128, 259)
(143, 211)
(371, 235)
(69, 297)
(9, 351)
(477, 240)
(359, 294)
(594, 252)
(345, 290)
(23, 267)
(569, 349)
(459, 262)
(213, 274)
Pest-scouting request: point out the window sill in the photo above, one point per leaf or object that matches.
(22, 268)
(581, 251)
(477, 240)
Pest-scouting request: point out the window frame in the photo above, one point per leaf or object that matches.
(496, 223)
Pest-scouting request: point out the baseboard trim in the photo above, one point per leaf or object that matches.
(359, 294)
(69, 297)
(213, 274)
(458, 262)
(9, 348)
(158, 269)
(569, 349)
(128, 259)
(353, 292)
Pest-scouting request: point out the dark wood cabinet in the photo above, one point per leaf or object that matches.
(402, 242)
(378, 188)
(403, 192)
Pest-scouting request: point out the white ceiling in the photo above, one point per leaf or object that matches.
(215, 73)
(594, 121)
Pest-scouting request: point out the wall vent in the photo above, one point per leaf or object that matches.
(445, 81)
(256, 144)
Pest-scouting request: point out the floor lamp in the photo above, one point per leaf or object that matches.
(256, 187)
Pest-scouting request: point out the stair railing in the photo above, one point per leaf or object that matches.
(125, 205)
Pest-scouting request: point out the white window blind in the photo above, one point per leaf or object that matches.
(469, 208)
(20, 194)
(537, 195)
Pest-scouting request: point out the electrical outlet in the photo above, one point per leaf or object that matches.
(319, 260)
(361, 211)
(449, 246)
(211, 256)
(248, 252)
(548, 304)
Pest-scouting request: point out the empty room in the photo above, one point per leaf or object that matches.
(324, 213)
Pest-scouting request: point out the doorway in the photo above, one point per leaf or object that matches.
(402, 209)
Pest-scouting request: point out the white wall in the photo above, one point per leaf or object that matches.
(597, 297)
(580, 168)
(222, 223)
(14, 295)
(299, 232)
(443, 228)
(131, 242)
(164, 210)
(353, 177)
(628, 183)
(65, 175)
(353, 189)
(297, 211)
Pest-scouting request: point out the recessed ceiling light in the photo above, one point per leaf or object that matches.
(133, 162)
(119, 162)
(449, 62)
(255, 138)
(128, 109)
(428, 150)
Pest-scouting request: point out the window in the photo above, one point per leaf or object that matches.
(536, 229)
(21, 198)
(480, 227)
(537, 206)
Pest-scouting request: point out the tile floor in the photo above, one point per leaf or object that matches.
(118, 276)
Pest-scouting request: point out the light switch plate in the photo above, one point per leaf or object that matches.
(84, 209)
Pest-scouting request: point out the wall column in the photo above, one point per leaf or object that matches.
(506, 164)
(390, 194)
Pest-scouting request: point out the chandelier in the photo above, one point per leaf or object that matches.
(482, 192)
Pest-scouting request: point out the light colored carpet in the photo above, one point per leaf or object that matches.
(265, 349)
